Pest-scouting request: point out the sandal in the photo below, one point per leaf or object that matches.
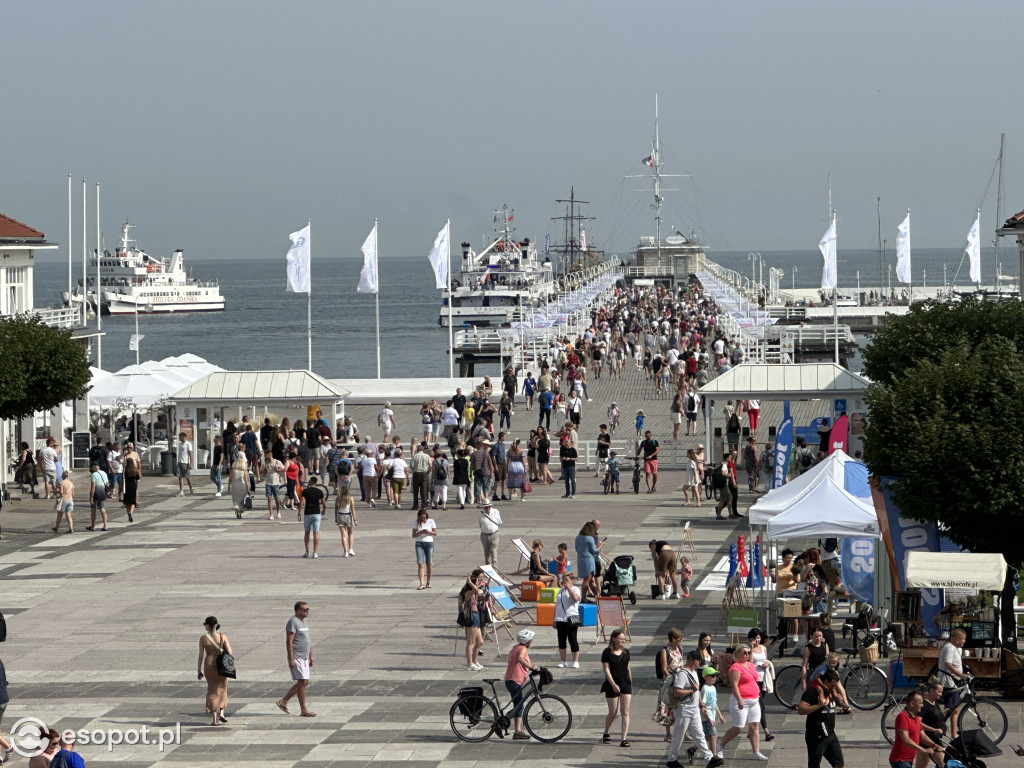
(606, 738)
(307, 713)
(625, 743)
(283, 707)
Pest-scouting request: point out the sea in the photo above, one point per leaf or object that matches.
(263, 326)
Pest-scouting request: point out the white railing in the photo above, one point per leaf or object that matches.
(65, 317)
(649, 271)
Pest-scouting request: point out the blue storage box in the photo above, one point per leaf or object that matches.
(553, 567)
(896, 675)
(588, 613)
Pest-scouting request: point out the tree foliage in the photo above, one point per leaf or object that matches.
(945, 419)
(40, 367)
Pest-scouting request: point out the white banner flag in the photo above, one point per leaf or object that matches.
(827, 246)
(583, 239)
(903, 272)
(133, 342)
(368, 275)
(974, 250)
(439, 256)
(298, 261)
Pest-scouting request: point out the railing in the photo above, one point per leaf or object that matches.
(65, 317)
(651, 271)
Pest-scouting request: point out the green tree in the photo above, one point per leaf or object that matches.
(40, 367)
(948, 382)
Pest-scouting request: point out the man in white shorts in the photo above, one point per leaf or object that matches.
(300, 658)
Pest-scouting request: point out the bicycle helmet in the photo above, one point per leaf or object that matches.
(525, 636)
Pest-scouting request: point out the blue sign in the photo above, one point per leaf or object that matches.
(858, 561)
(910, 535)
(840, 405)
(783, 447)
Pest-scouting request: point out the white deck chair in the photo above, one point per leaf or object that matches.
(525, 553)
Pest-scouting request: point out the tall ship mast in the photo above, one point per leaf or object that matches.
(576, 250)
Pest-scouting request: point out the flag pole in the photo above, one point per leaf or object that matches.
(835, 294)
(376, 293)
(309, 306)
(99, 286)
(451, 330)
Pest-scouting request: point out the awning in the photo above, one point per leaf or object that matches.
(955, 570)
(786, 382)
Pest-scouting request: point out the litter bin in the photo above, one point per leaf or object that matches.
(167, 462)
(718, 446)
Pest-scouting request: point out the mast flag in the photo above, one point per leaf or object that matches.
(974, 250)
(903, 251)
(438, 257)
(583, 239)
(298, 261)
(827, 246)
(649, 160)
(368, 275)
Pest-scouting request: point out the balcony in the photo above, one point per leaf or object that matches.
(65, 317)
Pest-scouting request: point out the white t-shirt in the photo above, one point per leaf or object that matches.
(368, 466)
(688, 678)
(565, 606)
(184, 452)
(399, 466)
(753, 405)
(387, 419)
(950, 655)
(430, 525)
(719, 347)
(48, 456)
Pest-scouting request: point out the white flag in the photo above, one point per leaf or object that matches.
(368, 276)
(133, 342)
(903, 251)
(583, 239)
(974, 250)
(439, 256)
(298, 261)
(827, 246)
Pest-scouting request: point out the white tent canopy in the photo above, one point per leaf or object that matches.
(133, 386)
(777, 501)
(194, 366)
(955, 570)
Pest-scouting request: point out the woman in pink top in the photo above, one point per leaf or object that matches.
(519, 668)
(744, 706)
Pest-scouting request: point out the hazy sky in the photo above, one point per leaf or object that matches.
(220, 127)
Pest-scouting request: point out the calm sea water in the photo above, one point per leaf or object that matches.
(264, 327)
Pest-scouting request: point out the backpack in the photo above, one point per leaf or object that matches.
(440, 470)
(805, 458)
(831, 545)
(659, 670)
(691, 402)
(719, 479)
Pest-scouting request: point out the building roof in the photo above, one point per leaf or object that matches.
(786, 382)
(303, 387)
(10, 229)
(370, 391)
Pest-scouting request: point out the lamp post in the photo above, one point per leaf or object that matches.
(858, 287)
(794, 277)
(890, 279)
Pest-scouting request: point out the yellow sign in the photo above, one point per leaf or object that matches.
(311, 412)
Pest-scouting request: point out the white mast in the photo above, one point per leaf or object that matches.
(376, 293)
(84, 293)
(309, 305)
(451, 330)
(658, 199)
(99, 288)
(69, 240)
(835, 288)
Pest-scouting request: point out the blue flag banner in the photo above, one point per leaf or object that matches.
(858, 559)
(906, 535)
(783, 447)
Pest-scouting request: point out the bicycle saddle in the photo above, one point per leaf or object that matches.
(491, 682)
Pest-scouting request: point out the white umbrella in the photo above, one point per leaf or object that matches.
(179, 375)
(134, 386)
(195, 366)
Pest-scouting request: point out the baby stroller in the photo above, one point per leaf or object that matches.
(965, 750)
(619, 578)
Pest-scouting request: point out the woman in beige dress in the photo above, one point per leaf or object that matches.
(210, 646)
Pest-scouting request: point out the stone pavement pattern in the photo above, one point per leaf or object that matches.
(103, 632)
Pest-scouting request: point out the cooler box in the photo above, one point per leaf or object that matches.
(530, 590)
(553, 567)
(545, 614)
(588, 613)
(789, 608)
(547, 594)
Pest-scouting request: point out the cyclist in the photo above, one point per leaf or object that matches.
(951, 673)
(613, 463)
(519, 668)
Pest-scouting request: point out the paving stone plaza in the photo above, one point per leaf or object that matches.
(104, 631)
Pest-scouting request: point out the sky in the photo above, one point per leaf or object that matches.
(220, 127)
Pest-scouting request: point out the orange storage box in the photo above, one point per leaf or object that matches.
(545, 615)
(530, 590)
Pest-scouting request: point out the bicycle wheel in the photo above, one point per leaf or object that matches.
(983, 715)
(708, 491)
(547, 717)
(889, 720)
(787, 686)
(473, 717)
(867, 687)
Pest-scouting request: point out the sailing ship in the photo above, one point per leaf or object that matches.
(498, 285)
(133, 281)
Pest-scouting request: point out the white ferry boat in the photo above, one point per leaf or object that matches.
(131, 280)
(497, 286)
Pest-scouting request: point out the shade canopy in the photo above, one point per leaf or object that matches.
(261, 388)
(133, 386)
(786, 382)
(195, 366)
(839, 467)
(955, 570)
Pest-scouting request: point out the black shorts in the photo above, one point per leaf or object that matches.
(827, 747)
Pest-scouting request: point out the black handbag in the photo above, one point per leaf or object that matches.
(465, 618)
(226, 665)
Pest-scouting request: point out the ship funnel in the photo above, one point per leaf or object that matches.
(177, 262)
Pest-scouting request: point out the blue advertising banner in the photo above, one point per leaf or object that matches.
(910, 535)
(858, 559)
(783, 447)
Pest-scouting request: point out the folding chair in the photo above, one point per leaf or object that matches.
(510, 606)
(525, 553)
(687, 541)
(502, 580)
(611, 612)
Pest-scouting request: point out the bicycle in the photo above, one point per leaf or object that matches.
(474, 716)
(710, 492)
(976, 714)
(866, 686)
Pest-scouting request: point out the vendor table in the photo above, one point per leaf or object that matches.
(919, 660)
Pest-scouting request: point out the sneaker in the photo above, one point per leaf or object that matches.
(217, 495)
(315, 556)
(689, 754)
(575, 665)
(759, 756)
(561, 664)
(345, 554)
(720, 755)
(715, 762)
(674, 764)
(180, 494)
(351, 553)
(305, 554)
(477, 667)
(520, 736)
(278, 515)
